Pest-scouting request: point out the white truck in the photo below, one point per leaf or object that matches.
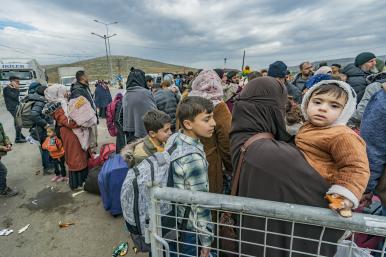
(67, 75)
(27, 70)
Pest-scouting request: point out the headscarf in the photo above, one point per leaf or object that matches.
(57, 93)
(323, 70)
(208, 85)
(259, 108)
(136, 78)
(348, 109)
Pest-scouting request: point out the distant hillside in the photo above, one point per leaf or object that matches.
(97, 68)
(341, 61)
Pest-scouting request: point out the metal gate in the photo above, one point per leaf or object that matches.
(278, 229)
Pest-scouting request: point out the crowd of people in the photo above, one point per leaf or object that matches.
(316, 138)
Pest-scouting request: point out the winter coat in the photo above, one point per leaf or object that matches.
(54, 146)
(4, 140)
(137, 151)
(369, 92)
(339, 155)
(356, 77)
(293, 91)
(136, 102)
(167, 102)
(79, 89)
(299, 82)
(217, 148)
(373, 131)
(11, 99)
(102, 96)
(40, 120)
(76, 157)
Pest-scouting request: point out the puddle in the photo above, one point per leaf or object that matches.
(49, 200)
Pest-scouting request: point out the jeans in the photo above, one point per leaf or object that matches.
(46, 160)
(3, 177)
(184, 247)
(19, 135)
(60, 168)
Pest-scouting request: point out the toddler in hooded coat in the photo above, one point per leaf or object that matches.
(332, 148)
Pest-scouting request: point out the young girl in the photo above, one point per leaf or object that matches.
(55, 147)
(332, 148)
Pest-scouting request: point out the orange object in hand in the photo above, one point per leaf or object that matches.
(337, 203)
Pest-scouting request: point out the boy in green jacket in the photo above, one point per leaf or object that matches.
(5, 147)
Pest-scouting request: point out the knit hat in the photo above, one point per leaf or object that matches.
(33, 86)
(323, 70)
(208, 85)
(364, 57)
(277, 69)
(348, 109)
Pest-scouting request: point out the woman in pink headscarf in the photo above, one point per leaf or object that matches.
(208, 85)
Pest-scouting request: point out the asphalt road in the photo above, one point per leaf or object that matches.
(43, 204)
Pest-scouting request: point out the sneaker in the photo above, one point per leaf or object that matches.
(8, 192)
(20, 141)
(55, 178)
(64, 179)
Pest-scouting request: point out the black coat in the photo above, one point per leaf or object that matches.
(79, 89)
(167, 102)
(38, 131)
(11, 99)
(356, 77)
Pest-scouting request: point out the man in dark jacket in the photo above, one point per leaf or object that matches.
(81, 88)
(41, 121)
(358, 71)
(306, 71)
(11, 98)
(167, 102)
(279, 71)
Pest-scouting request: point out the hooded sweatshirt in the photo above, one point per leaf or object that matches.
(335, 151)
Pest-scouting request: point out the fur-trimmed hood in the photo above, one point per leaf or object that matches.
(127, 152)
(348, 109)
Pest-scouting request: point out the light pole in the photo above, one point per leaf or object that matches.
(107, 54)
(107, 31)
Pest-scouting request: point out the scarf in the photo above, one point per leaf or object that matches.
(208, 85)
(57, 93)
(260, 107)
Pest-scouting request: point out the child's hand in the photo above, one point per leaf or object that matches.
(204, 252)
(340, 204)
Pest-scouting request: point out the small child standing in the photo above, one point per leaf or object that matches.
(158, 126)
(332, 148)
(55, 147)
(5, 147)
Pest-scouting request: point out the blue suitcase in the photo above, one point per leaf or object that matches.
(110, 180)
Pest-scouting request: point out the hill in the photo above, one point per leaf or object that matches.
(97, 68)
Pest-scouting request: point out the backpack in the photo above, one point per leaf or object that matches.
(91, 183)
(104, 153)
(110, 115)
(23, 117)
(110, 180)
(135, 194)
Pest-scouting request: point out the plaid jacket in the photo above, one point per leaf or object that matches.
(191, 173)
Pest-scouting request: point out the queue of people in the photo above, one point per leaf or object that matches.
(236, 125)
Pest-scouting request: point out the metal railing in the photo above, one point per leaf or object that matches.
(263, 228)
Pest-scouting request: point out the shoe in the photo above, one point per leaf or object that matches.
(55, 179)
(8, 192)
(48, 172)
(60, 179)
(20, 141)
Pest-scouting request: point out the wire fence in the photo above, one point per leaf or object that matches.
(262, 228)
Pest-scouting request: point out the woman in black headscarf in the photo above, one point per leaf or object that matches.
(274, 170)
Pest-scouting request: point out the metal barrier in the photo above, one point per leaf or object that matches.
(263, 228)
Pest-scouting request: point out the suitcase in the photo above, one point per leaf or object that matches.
(91, 184)
(110, 180)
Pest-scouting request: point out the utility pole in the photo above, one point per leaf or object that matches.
(225, 62)
(108, 43)
(242, 67)
(109, 67)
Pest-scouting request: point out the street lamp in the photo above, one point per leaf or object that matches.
(107, 55)
(107, 31)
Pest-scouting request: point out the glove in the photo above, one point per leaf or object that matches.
(50, 108)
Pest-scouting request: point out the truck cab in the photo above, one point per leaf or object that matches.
(28, 72)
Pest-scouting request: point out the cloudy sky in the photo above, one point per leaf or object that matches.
(193, 32)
